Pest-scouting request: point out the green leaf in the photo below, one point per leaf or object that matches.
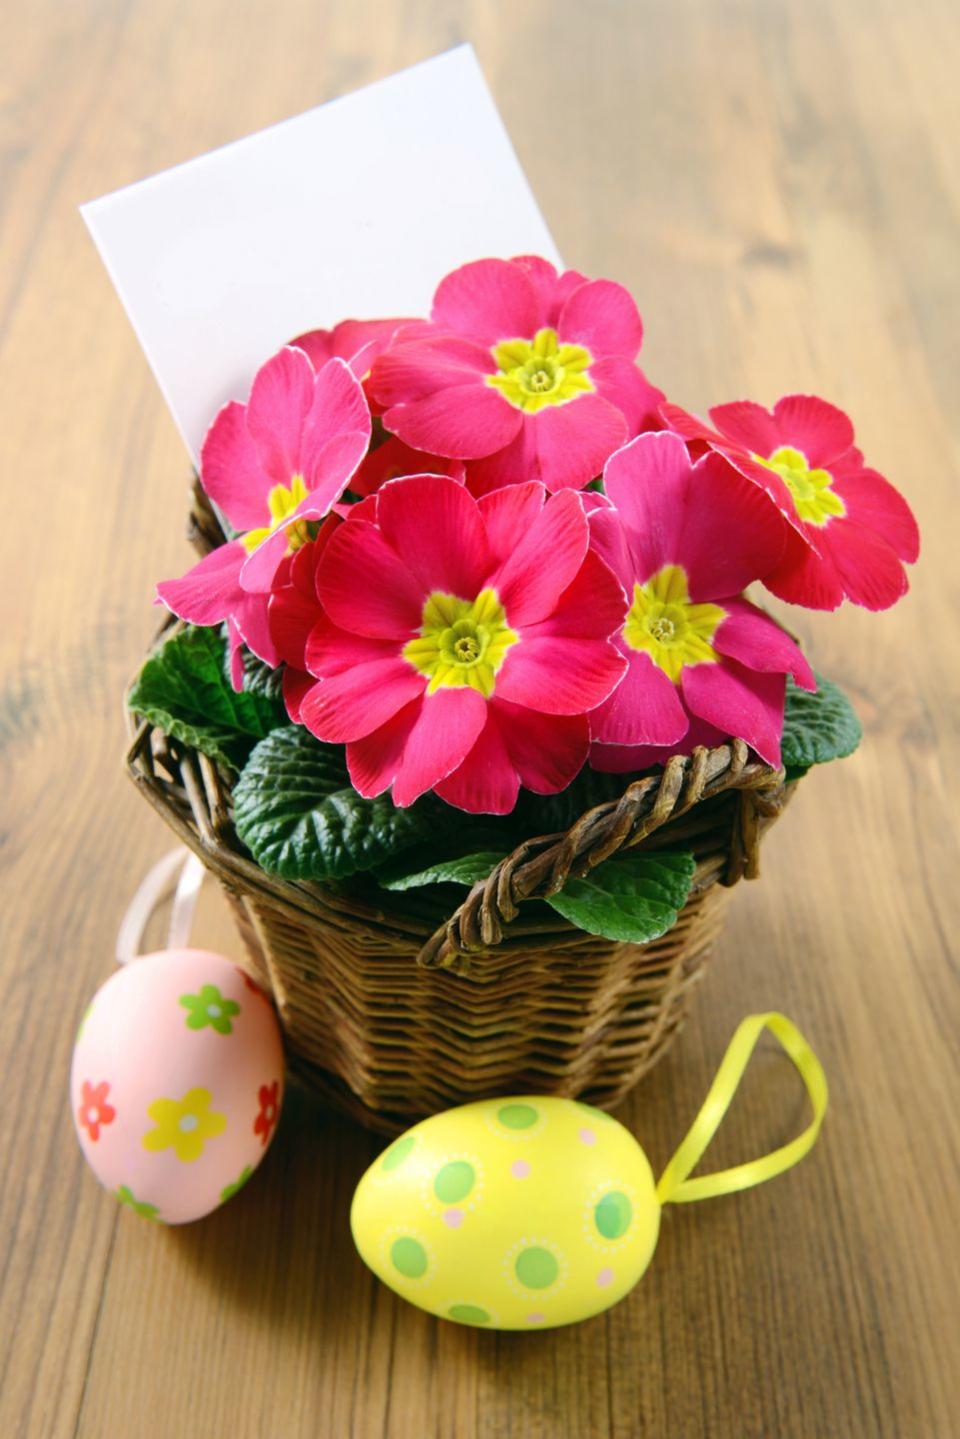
(465, 870)
(185, 691)
(634, 895)
(817, 727)
(296, 812)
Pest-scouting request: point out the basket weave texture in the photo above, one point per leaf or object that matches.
(392, 1011)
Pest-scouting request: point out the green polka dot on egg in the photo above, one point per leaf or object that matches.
(409, 1257)
(454, 1181)
(469, 1314)
(517, 1116)
(612, 1215)
(398, 1152)
(536, 1267)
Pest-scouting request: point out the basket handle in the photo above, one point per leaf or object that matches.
(540, 867)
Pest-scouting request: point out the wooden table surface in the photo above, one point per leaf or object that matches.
(778, 181)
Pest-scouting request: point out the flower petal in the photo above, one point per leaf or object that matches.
(296, 684)
(868, 569)
(231, 472)
(238, 671)
(731, 533)
(625, 385)
(338, 409)
(330, 650)
(544, 562)
(804, 577)
(593, 606)
(415, 369)
(548, 751)
(821, 430)
(628, 759)
(260, 567)
(372, 762)
(873, 502)
(516, 463)
(748, 424)
(435, 526)
(462, 422)
(508, 513)
(608, 536)
(741, 702)
(291, 616)
(329, 455)
(486, 781)
(573, 441)
(365, 586)
(280, 400)
(359, 342)
(359, 698)
(649, 483)
(752, 638)
(251, 619)
(209, 592)
(603, 316)
(552, 290)
(488, 300)
(446, 729)
(645, 708)
(559, 676)
(707, 518)
(689, 427)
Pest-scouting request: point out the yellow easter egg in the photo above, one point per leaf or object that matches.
(512, 1213)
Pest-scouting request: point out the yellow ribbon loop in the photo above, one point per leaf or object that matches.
(674, 1186)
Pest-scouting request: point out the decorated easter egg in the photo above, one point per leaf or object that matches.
(514, 1213)
(176, 1083)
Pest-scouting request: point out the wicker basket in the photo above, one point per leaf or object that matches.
(393, 1011)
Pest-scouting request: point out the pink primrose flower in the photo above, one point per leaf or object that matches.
(274, 467)
(850, 530)
(684, 540)
(357, 342)
(523, 372)
(456, 644)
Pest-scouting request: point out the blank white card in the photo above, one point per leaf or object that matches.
(355, 209)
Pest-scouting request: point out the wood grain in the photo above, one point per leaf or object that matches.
(778, 181)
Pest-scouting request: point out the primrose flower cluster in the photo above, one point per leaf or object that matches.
(486, 551)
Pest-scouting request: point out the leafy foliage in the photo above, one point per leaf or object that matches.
(631, 896)
(817, 727)
(295, 810)
(185, 690)
(465, 870)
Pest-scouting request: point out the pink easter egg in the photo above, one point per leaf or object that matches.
(177, 1082)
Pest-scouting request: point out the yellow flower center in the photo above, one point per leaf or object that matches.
(814, 498)
(538, 372)
(665, 625)
(461, 642)
(282, 501)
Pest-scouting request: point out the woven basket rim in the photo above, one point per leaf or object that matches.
(536, 868)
